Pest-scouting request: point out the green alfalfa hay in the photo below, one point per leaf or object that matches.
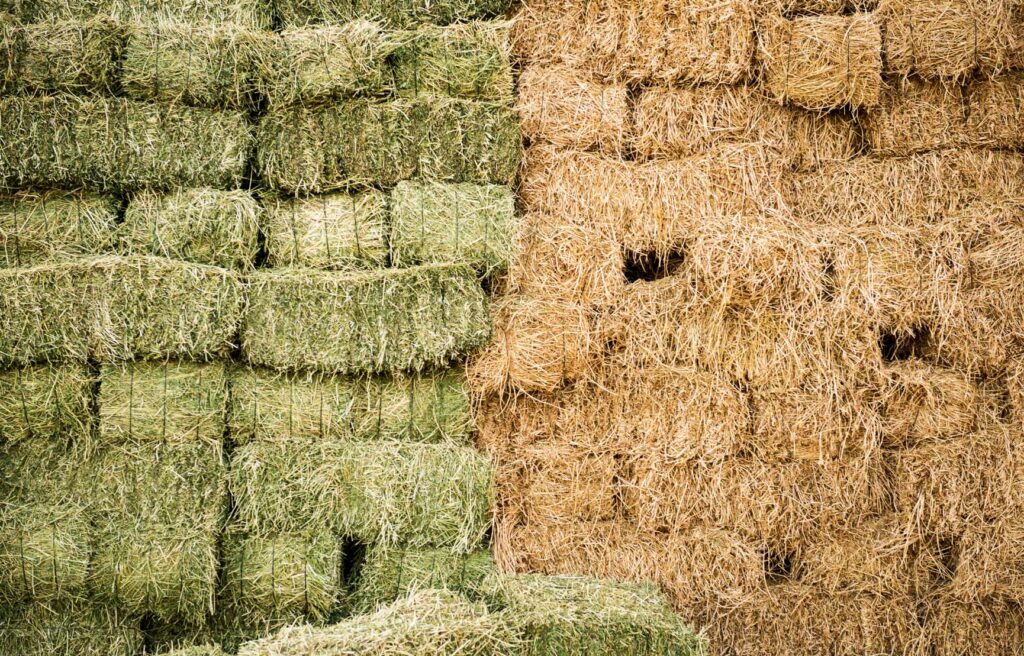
(468, 60)
(68, 627)
(60, 56)
(367, 322)
(197, 650)
(256, 14)
(44, 550)
(391, 13)
(341, 231)
(426, 623)
(429, 407)
(208, 65)
(419, 495)
(201, 225)
(434, 222)
(38, 226)
(578, 615)
(114, 143)
(387, 574)
(313, 65)
(157, 510)
(46, 402)
(360, 142)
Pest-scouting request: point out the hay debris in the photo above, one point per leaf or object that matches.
(989, 563)
(61, 56)
(919, 401)
(46, 402)
(435, 223)
(204, 226)
(68, 627)
(379, 321)
(44, 551)
(256, 14)
(953, 628)
(267, 405)
(48, 225)
(466, 60)
(917, 116)
(388, 574)
(822, 62)
(390, 13)
(997, 111)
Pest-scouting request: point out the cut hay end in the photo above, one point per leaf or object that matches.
(68, 627)
(561, 482)
(55, 56)
(917, 116)
(390, 13)
(383, 321)
(37, 227)
(46, 402)
(919, 401)
(996, 117)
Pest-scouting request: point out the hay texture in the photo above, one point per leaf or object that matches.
(430, 407)
(111, 143)
(390, 13)
(41, 226)
(68, 627)
(380, 321)
(44, 551)
(61, 56)
(465, 60)
(251, 13)
(955, 628)
(430, 137)
(388, 574)
(435, 223)
(995, 106)
(919, 401)
(44, 402)
(989, 563)
(822, 62)
(916, 116)
(201, 225)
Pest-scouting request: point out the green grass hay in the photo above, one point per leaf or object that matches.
(267, 405)
(368, 322)
(42, 314)
(44, 550)
(256, 14)
(467, 60)
(112, 143)
(391, 13)
(68, 627)
(51, 402)
(387, 574)
(338, 231)
(435, 223)
(200, 225)
(60, 56)
(40, 226)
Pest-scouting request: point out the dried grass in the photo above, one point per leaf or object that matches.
(390, 13)
(952, 628)
(389, 574)
(918, 401)
(78, 56)
(68, 627)
(256, 14)
(997, 111)
(44, 551)
(40, 226)
(989, 563)
(46, 402)
(916, 116)
(566, 482)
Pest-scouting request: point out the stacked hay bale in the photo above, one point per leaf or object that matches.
(759, 342)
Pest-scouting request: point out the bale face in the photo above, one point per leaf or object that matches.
(251, 13)
(62, 56)
(390, 13)
(390, 574)
(205, 226)
(919, 402)
(434, 223)
(955, 628)
(44, 552)
(989, 564)
(566, 482)
(995, 116)
(37, 227)
(387, 321)
(46, 402)
(466, 60)
(68, 627)
(916, 116)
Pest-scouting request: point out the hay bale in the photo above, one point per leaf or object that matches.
(467, 60)
(332, 231)
(68, 627)
(205, 226)
(434, 138)
(436, 622)
(46, 402)
(390, 13)
(256, 14)
(917, 116)
(681, 122)
(198, 650)
(113, 143)
(560, 482)
(376, 321)
(389, 493)
(948, 39)
(583, 615)
(919, 402)
(428, 407)
(953, 628)
(61, 56)
(559, 105)
(44, 551)
(822, 62)
(434, 223)
(313, 65)
(996, 111)
(200, 65)
(388, 574)
(40, 226)
(989, 563)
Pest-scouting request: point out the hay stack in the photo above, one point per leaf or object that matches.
(120, 144)
(989, 563)
(916, 116)
(46, 402)
(954, 628)
(68, 627)
(378, 321)
(205, 226)
(44, 551)
(436, 138)
(266, 405)
(390, 13)
(562, 482)
(61, 56)
(822, 62)
(997, 111)
(919, 401)
(251, 13)
(467, 60)
(435, 223)
(40, 226)
(388, 574)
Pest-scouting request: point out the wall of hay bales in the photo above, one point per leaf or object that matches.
(761, 337)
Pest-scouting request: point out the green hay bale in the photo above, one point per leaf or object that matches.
(427, 623)
(388, 574)
(313, 65)
(165, 637)
(46, 402)
(368, 322)
(266, 405)
(577, 615)
(157, 511)
(420, 495)
(111, 143)
(44, 551)
(195, 650)
(68, 627)
(332, 231)
(55, 56)
(468, 60)
(434, 222)
(205, 226)
(51, 225)
(256, 14)
(358, 143)
(200, 65)
(162, 402)
(392, 13)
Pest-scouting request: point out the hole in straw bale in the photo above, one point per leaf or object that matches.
(353, 555)
(947, 551)
(779, 565)
(650, 266)
(897, 346)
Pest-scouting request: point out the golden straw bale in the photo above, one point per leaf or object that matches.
(990, 563)
(822, 62)
(559, 105)
(948, 38)
(916, 116)
(708, 41)
(801, 7)
(996, 118)
(919, 401)
(954, 628)
(564, 482)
